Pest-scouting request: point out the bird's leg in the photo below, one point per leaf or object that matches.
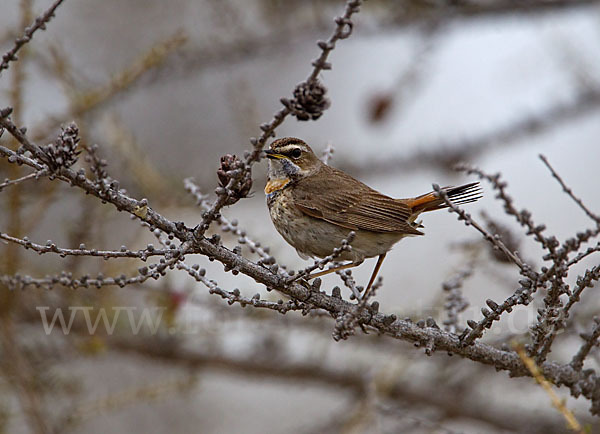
(334, 269)
(374, 275)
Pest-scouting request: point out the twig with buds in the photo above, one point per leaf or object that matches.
(51, 247)
(569, 191)
(591, 340)
(350, 283)
(455, 301)
(520, 296)
(40, 23)
(232, 226)
(32, 176)
(199, 274)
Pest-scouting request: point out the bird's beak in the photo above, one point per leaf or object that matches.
(273, 155)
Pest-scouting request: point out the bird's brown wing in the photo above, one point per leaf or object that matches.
(336, 197)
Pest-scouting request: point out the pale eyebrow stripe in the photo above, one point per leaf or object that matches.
(289, 148)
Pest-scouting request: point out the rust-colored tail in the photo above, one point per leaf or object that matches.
(459, 195)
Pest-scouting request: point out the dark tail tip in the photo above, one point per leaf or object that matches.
(465, 193)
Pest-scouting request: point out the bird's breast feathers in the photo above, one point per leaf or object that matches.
(274, 185)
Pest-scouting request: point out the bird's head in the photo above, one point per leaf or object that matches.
(291, 158)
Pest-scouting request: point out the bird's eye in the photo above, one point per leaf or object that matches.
(296, 153)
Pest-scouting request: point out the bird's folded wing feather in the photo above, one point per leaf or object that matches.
(338, 198)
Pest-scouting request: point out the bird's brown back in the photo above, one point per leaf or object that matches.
(338, 198)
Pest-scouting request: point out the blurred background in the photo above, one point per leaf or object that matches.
(165, 88)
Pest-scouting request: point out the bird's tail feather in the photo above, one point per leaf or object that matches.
(458, 195)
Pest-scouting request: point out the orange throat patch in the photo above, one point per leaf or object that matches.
(275, 184)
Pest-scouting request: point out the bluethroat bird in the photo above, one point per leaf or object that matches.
(314, 207)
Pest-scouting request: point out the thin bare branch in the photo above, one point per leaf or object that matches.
(550, 329)
(40, 23)
(455, 301)
(232, 297)
(493, 239)
(568, 190)
(591, 340)
(521, 296)
(232, 226)
(51, 247)
(584, 255)
(36, 175)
